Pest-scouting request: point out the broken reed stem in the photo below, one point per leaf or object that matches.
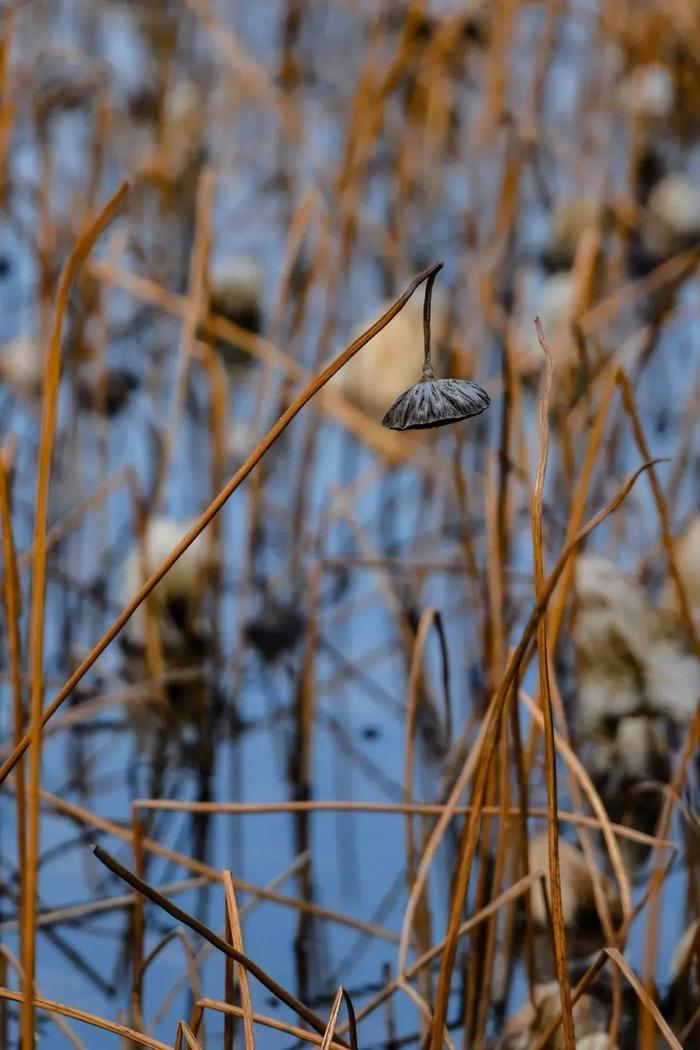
(557, 908)
(223, 946)
(32, 739)
(213, 509)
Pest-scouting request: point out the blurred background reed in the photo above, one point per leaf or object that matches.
(285, 735)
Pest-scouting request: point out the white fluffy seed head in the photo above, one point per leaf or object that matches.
(185, 581)
(22, 367)
(523, 1029)
(391, 362)
(675, 202)
(629, 656)
(648, 91)
(610, 613)
(236, 283)
(183, 108)
(641, 746)
(594, 1041)
(576, 883)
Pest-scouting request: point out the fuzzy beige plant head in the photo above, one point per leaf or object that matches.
(523, 1029)
(578, 898)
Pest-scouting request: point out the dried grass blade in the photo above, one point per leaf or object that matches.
(237, 941)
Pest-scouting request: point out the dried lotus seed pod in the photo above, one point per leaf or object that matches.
(435, 402)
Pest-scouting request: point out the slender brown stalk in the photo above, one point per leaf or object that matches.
(12, 603)
(234, 925)
(214, 507)
(36, 628)
(557, 908)
(470, 832)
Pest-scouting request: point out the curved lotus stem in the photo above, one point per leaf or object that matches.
(427, 360)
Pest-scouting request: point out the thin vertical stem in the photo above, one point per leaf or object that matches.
(427, 361)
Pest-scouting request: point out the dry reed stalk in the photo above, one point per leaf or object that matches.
(7, 957)
(429, 617)
(185, 1035)
(269, 1022)
(55, 916)
(7, 108)
(659, 873)
(87, 1018)
(499, 871)
(521, 886)
(194, 310)
(578, 508)
(417, 808)
(213, 508)
(72, 519)
(581, 777)
(332, 1020)
(200, 868)
(138, 921)
(499, 775)
(229, 990)
(607, 308)
(12, 598)
(243, 66)
(645, 999)
(223, 946)
(630, 407)
(205, 951)
(498, 64)
(383, 441)
(36, 630)
(4, 1014)
(236, 937)
(681, 460)
(522, 770)
(543, 1040)
(481, 755)
(557, 909)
